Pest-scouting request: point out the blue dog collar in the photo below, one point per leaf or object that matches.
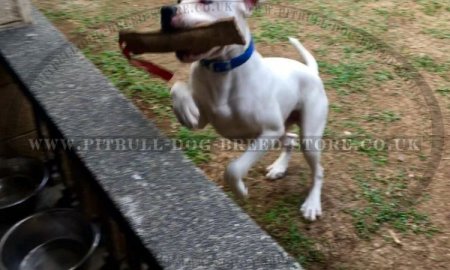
(224, 66)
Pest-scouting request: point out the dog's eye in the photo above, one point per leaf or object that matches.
(206, 2)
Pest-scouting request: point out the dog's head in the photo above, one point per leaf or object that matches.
(190, 13)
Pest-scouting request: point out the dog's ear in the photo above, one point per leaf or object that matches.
(251, 4)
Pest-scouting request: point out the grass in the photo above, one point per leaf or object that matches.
(260, 11)
(196, 144)
(57, 15)
(275, 31)
(383, 75)
(430, 65)
(365, 143)
(431, 7)
(129, 79)
(384, 116)
(385, 206)
(68, 15)
(375, 150)
(437, 33)
(336, 107)
(346, 78)
(282, 219)
(445, 91)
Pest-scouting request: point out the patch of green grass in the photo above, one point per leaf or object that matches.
(328, 133)
(363, 142)
(430, 7)
(275, 31)
(196, 144)
(282, 218)
(350, 50)
(57, 15)
(383, 75)
(336, 107)
(133, 82)
(428, 63)
(381, 11)
(80, 30)
(385, 116)
(437, 33)
(333, 40)
(126, 77)
(444, 91)
(259, 12)
(277, 214)
(116, 68)
(347, 77)
(423, 157)
(321, 52)
(378, 153)
(379, 25)
(305, 245)
(103, 18)
(72, 14)
(81, 17)
(385, 199)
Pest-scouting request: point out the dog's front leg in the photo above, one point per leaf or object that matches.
(239, 168)
(185, 108)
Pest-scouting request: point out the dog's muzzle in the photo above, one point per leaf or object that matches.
(167, 14)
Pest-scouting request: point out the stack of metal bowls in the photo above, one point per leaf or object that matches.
(56, 239)
(21, 181)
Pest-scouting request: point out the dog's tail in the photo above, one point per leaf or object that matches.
(307, 56)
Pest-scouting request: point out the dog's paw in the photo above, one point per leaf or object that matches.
(311, 208)
(235, 182)
(184, 106)
(276, 171)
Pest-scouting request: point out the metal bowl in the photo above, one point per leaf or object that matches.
(21, 179)
(58, 239)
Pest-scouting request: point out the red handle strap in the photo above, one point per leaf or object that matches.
(149, 67)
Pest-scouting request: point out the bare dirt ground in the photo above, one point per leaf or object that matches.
(368, 223)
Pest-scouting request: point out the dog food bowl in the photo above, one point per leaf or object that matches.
(58, 239)
(21, 180)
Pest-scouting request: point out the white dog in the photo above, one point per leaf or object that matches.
(245, 96)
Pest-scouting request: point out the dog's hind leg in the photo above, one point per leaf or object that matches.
(312, 123)
(238, 168)
(278, 168)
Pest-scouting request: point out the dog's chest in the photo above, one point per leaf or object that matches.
(236, 119)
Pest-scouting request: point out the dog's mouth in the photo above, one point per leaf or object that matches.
(193, 55)
(190, 55)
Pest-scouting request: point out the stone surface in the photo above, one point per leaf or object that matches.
(186, 221)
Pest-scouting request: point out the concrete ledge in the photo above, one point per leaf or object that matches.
(183, 219)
